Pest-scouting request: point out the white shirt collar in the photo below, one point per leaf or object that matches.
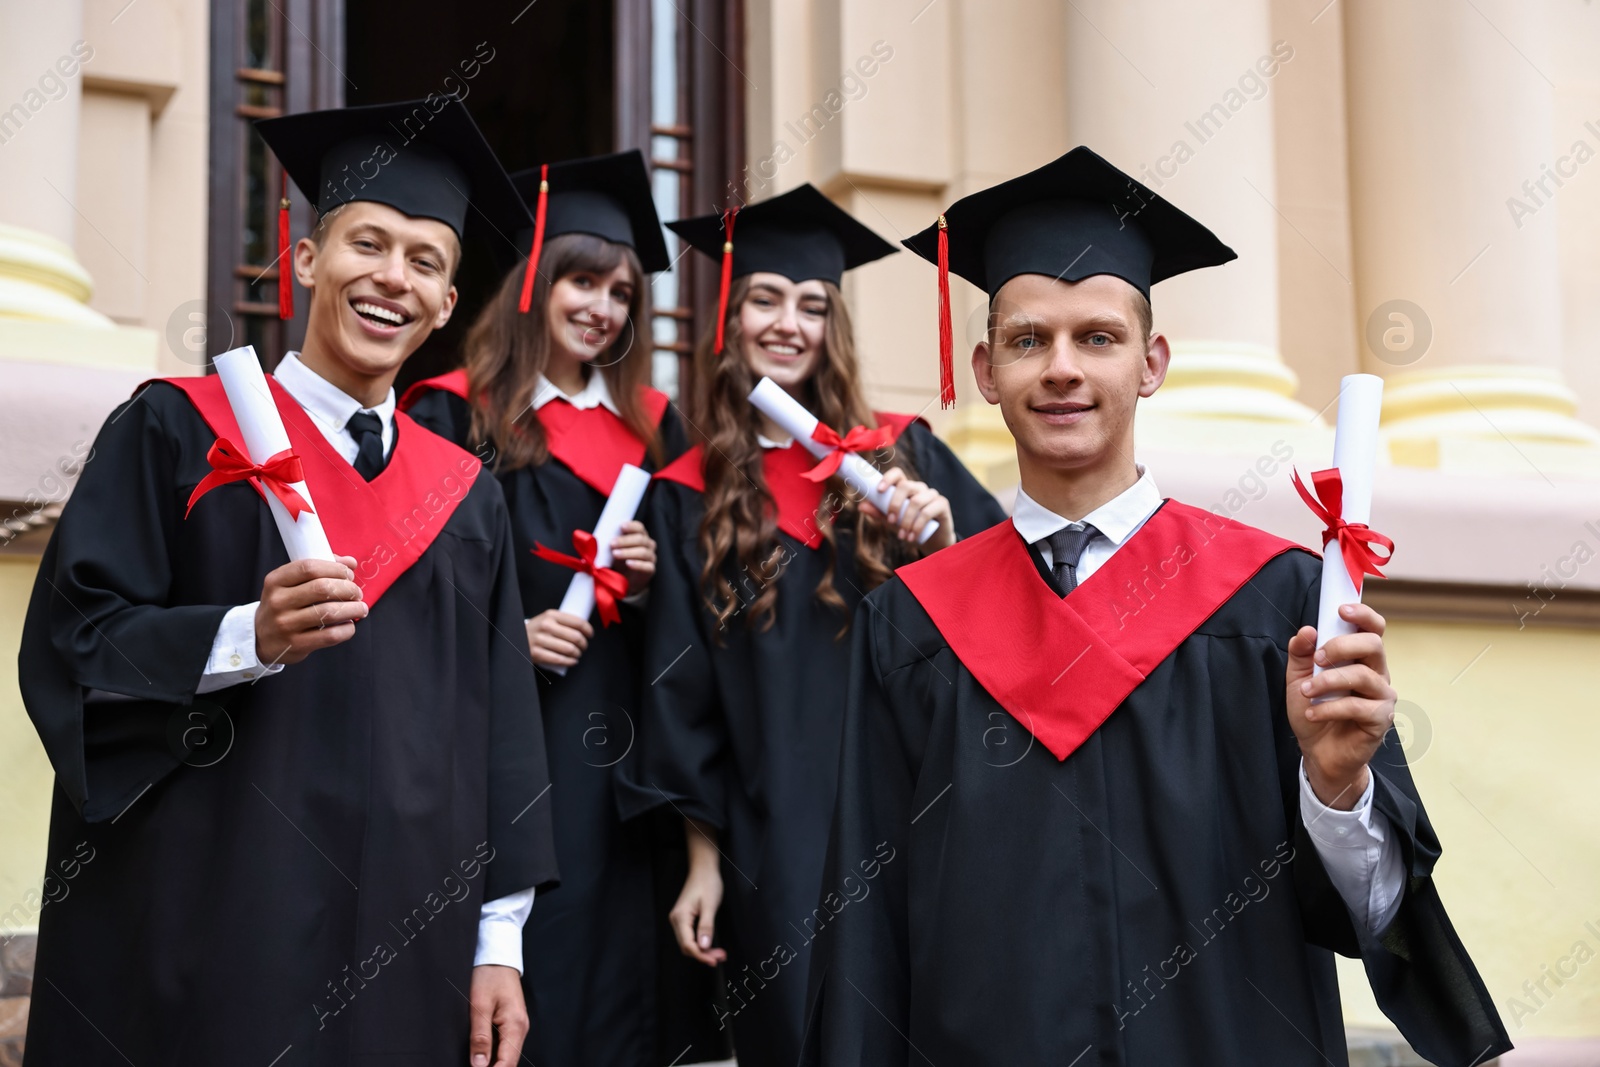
(1117, 519)
(766, 442)
(326, 403)
(595, 393)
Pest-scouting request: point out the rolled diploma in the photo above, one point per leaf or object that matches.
(264, 437)
(799, 423)
(1355, 453)
(621, 505)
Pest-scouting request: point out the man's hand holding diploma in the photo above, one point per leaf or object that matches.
(1339, 736)
(306, 605)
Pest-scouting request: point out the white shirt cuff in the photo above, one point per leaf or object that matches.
(500, 925)
(1359, 852)
(233, 652)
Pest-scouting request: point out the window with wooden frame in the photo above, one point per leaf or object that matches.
(678, 95)
(680, 98)
(268, 58)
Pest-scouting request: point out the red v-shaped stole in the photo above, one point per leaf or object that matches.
(593, 443)
(797, 498)
(1061, 666)
(387, 523)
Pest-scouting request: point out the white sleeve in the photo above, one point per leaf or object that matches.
(500, 925)
(1359, 852)
(233, 652)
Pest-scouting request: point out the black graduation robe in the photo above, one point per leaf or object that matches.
(741, 728)
(1068, 830)
(289, 871)
(599, 957)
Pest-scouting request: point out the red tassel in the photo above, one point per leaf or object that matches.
(526, 300)
(285, 261)
(947, 366)
(727, 273)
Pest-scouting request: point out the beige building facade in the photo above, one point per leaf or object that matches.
(1407, 185)
(1412, 190)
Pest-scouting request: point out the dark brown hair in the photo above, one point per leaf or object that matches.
(506, 351)
(739, 523)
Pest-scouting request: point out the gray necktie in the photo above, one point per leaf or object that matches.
(1066, 548)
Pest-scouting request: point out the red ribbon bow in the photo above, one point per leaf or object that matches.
(609, 586)
(1355, 538)
(859, 439)
(230, 464)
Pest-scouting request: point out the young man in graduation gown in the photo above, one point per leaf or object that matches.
(311, 791)
(1088, 811)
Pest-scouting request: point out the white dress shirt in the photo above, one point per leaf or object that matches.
(233, 652)
(1357, 847)
(595, 393)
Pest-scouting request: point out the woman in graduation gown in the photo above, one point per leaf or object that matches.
(747, 652)
(554, 397)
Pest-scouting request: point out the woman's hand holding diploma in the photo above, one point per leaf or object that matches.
(913, 505)
(557, 639)
(635, 550)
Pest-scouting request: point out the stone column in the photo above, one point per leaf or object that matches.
(1180, 97)
(1454, 212)
(41, 87)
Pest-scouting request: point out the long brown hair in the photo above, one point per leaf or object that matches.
(739, 523)
(506, 351)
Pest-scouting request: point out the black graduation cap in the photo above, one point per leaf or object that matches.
(607, 196)
(1072, 218)
(801, 235)
(420, 158)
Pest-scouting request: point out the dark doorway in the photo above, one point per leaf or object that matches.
(549, 79)
(538, 79)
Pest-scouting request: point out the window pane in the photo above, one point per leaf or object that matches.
(257, 35)
(255, 199)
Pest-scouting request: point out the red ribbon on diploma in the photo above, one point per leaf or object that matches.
(1355, 538)
(859, 439)
(230, 464)
(609, 586)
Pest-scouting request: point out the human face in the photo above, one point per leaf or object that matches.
(380, 283)
(1067, 362)
(783, 324)
(588, 311)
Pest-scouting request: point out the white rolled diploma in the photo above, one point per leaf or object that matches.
(1355, 453)
(799, 423)
(264, 437)
(621, 506)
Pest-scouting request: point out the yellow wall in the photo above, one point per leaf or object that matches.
(25, 778)
(1503, 752)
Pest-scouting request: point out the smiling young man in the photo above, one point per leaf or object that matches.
(312, 789)
(1122, 833)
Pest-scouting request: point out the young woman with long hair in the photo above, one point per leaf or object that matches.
(760, 571)
(554, 395)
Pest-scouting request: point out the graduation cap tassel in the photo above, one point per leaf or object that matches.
(727, 273)
(285, 263)
(526, 300)
(947, 370)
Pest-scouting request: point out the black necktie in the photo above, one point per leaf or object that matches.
(367, 429)
(1066, 548)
